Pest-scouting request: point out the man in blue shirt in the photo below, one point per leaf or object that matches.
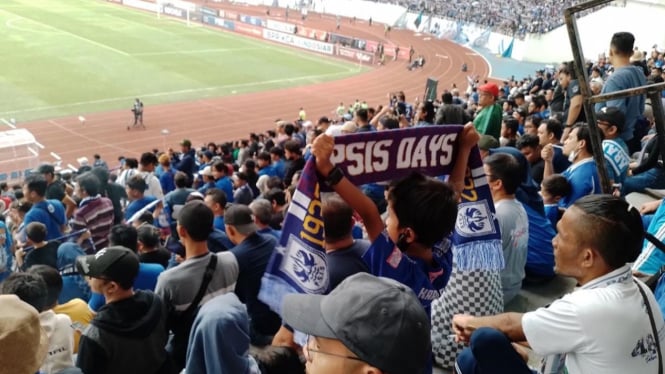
(278, 162)
(262, 211)
(611, 122)
(220, 171)
(253, 252)
(625, 76)
(49, 212)
(135, 189)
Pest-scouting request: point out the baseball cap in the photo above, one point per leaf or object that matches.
(209, 155)
(186, 143)
(613, 116)
(490, 88)
(45, 169)
(349, 127)
(24, 343)
(378, 319)
(115, 263)
(240, 217)
(206, 171)
(487, 142)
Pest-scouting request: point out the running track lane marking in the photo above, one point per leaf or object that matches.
(98, 44)
(213, 50)
(178, 92)
(88, 138)
(7, 123)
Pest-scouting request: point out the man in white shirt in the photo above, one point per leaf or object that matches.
(605, 326)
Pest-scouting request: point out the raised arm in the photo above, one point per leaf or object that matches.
(322, 149)
(467, 139)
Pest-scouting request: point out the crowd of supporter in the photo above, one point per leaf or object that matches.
(510, 17)
(154, 265)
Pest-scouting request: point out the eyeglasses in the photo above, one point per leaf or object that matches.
(308, 355)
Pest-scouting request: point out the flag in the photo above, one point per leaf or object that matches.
(419, 19)
(299, 261)
(508, 52)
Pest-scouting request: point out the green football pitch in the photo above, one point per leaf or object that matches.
(66, 57)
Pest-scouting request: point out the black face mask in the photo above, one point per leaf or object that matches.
(401, 243)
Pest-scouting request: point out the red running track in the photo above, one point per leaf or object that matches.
(234, 117)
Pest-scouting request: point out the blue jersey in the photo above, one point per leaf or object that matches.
(652, 258)
(49, 212)
(583, 179)
(540, 253)
(384, 259)
(617, 159)
(137, 205)
(225, 184)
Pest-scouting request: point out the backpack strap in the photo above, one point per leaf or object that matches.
(207, 276)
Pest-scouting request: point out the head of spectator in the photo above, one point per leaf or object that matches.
(361, 117)
(553, 188)
(596, 86)
(263, 160)
(35, 232)
(529, 146)
(136, 187)
(621, 48)
(147, 238)
(388, 122)
(185, 145)
(148, 162)
(488, 94)
(520, 115)
(337, 223)
(504, 175)
(509, 128)
(239, 179)
(24, 343)
(180, 179)
(531, 124)
(215, 199)
(277, 360)
(610, 121)
(486, 143)
(277, 199)
(349, 127)
(447, 98)
(603, 234)
(87, 185)
(239, 223)
(277, 153)
(110, 272)
(145, 218)
(262, 212)
(578, 144)
(343, 324)
(29, 287)
(426, 112)
(123, 236)
(550, 132)
(53, 282)
(34, 188)
(219, 170)
(195, 223)
(519, 99)
(131, 163)
(47, 171)
(164, 161)
(566, 75)
(292, 150)
(538, 104)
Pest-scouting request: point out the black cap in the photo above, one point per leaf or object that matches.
(613, 116)
(115, 263)
(240, 217)
(45, 169)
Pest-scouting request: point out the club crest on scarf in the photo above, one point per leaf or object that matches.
(299, 262)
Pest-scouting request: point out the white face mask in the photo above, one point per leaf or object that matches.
(503, 141)
(572, 156)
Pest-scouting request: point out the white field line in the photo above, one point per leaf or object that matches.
(167, 93)
(7, 123)
(79, 37)
(196, 51)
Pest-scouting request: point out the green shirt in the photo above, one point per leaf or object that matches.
(488, 121)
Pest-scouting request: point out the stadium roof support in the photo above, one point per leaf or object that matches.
(652, 91)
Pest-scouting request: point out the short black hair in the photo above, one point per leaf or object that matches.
(539, 101)
(132, 163)
(137, 183)
(556, 185)
(427, 206)
(148, 158)
(278, 360)
(265, 156)
(293, 146)
(511, 124)
(89, 183)
(220, 166)
(123, 235)
(535, 119)
(362, 114)
(218, 196)
(277, 195)
(622, 43)
(36, 232)
(148, 235)
(507, 169)
(389, 122)
(53, 281)
(337, 219)
(554, 127)
(527, 140)
(612, 227)
(583, 133)
(197, 219)
(277, 151)
(447, 98)
(30, 288)
(36, 183)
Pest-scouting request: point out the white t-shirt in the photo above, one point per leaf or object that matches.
(154, 187)
(603, 327)
(58, 328)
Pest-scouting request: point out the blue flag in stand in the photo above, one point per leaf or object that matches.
(419, 19)
(299, 261)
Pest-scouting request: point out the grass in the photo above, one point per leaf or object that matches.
(67, 57)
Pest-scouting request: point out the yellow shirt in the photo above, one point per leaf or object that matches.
(80, 315)
(302, 115)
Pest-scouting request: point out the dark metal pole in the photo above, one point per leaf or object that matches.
(659, 116)
(583, 80)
